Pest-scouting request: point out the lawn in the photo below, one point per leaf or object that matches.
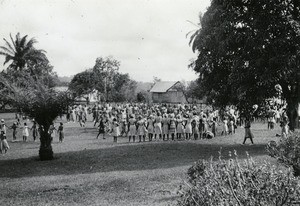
(90, 171)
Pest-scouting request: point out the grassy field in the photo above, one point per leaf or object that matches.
(89, 171)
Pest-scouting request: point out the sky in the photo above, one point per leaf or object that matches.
(148, 37)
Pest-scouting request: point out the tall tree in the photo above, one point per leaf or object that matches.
(105, 69)
(83, 83)
(27, 86)
(247, 47)
(106, 78)
(21, 52)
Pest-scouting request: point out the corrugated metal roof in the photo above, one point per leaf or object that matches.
(162, 86)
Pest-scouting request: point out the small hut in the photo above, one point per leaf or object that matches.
(168, 92)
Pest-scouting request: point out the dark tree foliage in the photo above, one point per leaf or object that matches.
(39, 102)
(106, 78)
(141, 96)
(82, 83)
(247, 47)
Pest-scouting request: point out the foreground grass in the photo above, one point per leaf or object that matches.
(89, 171)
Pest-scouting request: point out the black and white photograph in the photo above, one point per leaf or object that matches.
(150, 102)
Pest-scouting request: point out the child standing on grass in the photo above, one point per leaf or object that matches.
(101, 127)
(225, 127)
(132, 128)
(141, 129)
(60, 131)
(150, 127)
(179, 127)
(115, 129)
(34, 130)
(230, 126)
(3, 142)
(51, 131)
(14, 128)
(172, 126)
(165, 127)
(25, 132)
(188, 126)
(214, 126)
(248, 133)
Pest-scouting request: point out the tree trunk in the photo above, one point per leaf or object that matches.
(292, 112)
(45, 152)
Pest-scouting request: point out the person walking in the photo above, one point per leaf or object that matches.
(101, 127)
(34, 130)
(248, 133)
(14, 128)
(60, 132)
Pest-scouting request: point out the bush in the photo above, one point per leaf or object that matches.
(231, 182)
(287, 151)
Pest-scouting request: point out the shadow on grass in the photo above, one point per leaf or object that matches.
(129, 157)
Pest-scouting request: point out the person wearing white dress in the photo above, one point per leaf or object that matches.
(225, 127)
(165, 126)
(115, 129)
(150, 127)
(157, 126)
(188, 127)
(141, 129)
(179, 127)
(132, 128)
(25, 132)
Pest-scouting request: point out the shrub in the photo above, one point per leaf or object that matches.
(287, 151)
(232, 182)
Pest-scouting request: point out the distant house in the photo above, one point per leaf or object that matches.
(92, 97)
(61, 88)
(167, 92)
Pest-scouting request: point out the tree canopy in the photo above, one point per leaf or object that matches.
(21, 52)
(106, 78)
(247, 47)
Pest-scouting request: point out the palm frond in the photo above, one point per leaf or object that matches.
(17, 42)
(31, 42)
(193, 37)
(8, 58)
(12, 40)
(193, 31)
(197, 25)
(9, 45)
(6, 50)
(23, 41)
(4, 53)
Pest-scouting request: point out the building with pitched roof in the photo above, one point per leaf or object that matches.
(168, 92)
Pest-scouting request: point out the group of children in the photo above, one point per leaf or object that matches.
(35, 130)
(166, 122)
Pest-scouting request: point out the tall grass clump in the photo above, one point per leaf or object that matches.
(234, 182)
(287, 151)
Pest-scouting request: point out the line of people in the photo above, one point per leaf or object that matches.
(159, 122)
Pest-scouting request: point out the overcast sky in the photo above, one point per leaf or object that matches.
(148, 37)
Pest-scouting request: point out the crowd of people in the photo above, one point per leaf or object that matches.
(143, 122)
(155, 122)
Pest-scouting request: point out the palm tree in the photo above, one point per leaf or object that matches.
(21, 52)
